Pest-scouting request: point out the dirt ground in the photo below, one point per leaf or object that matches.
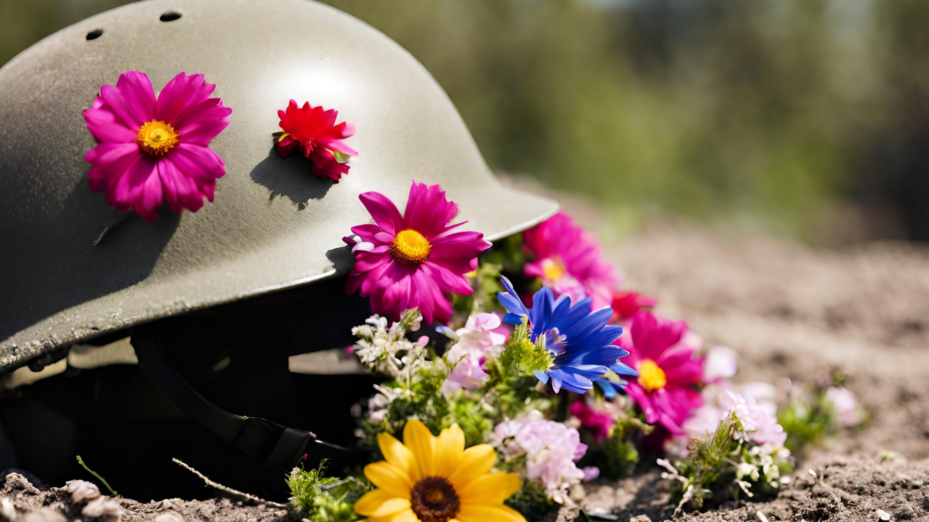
(789, 310)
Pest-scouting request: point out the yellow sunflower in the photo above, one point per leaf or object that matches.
(435, 479)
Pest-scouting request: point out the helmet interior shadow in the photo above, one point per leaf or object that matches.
(130, 421)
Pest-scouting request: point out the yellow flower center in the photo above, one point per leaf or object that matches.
(410, 248)
(434, 499)
(553, 269)
(156, 138)
(651, 377)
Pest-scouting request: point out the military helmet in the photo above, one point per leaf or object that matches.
(75, 269)
(272, 225)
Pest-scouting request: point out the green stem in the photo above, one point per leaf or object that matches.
(94, 473)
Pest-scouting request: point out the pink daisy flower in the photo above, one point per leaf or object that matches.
(413, 260)
(315, 132)
(155, 150)
(668, 371)
(568, 259)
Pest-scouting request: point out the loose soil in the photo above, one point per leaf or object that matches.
(788, 310)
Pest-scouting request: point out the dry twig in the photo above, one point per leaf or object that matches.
(227, 489)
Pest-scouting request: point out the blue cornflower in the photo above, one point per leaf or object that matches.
(580, 339)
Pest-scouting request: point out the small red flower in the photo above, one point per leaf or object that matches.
(314, 131)
(626, 304)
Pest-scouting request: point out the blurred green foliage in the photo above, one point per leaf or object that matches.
(781, 113)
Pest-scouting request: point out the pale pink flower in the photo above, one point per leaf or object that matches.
(551, 450)
(477, 341)
(721, 363)
(845, 405)
(758, 421)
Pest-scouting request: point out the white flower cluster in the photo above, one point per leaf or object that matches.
(379, 404)
(387, 350)
(762, 465)
(691, 490)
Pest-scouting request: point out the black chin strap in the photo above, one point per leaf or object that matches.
(280, 448)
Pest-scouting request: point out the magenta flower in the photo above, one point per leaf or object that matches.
(568, 259)
(667, 369)
(154, 151)
(598, 423)
(413, 260)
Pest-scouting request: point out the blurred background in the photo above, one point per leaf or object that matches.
(802, 118)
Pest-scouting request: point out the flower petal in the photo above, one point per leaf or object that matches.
(490, 489)
(180, 191)
(398, 454)
(390, 478)
(181, 92)
(338, 145)
(642, 398)
(447, 281)
(406, 515)
(421, 442)
(140, 189)
(475, 461)
(107, 127)
(428, 210)
(487, 513)
(448, 449)
(383, 211)
(198, 162)
(380, 503)
(200, 123)
(132, 99)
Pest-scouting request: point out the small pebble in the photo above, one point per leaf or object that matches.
(44, 515)
(169, 517)
(760, 516)
(812, 472)
(7, 510)
(885, 516)
(602, 514)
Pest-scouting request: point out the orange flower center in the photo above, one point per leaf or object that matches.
(433, 499)
(651, 376)
(156, 138)
(410, 248)
(553, 269)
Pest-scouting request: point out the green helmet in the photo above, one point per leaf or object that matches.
(75, 268)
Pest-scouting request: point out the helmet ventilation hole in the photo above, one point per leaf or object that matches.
(93, 35)
(170, 16)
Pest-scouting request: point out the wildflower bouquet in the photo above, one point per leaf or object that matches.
(513, 373)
